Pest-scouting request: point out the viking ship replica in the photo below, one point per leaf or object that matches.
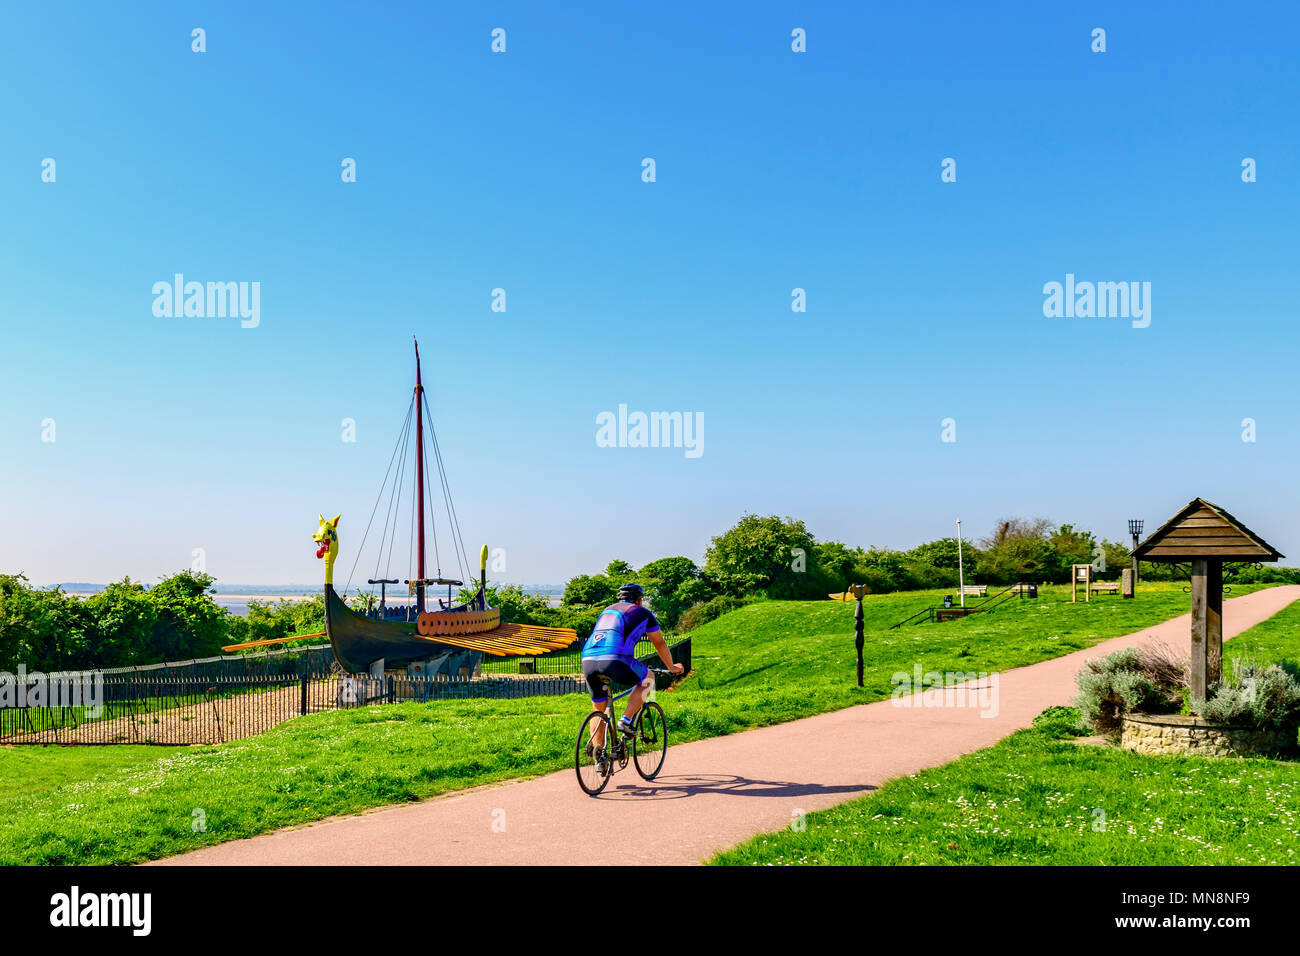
(426, 642)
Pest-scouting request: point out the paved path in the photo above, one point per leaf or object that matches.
(714, 793)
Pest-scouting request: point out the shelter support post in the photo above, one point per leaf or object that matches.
(1200, 628)
(1213, 622)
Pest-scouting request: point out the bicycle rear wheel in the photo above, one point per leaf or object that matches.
(594, 769)
(650, 745)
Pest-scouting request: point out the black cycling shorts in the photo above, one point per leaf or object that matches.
(621, 670)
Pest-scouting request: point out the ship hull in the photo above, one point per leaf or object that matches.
(359, 642)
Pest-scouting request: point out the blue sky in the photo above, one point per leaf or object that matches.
(522, 170)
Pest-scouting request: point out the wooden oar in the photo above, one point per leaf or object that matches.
(273, 640)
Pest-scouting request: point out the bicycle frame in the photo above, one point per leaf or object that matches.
(612, 725)
(616, 748)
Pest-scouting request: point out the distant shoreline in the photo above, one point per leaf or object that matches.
(264, 591)
(236, 598)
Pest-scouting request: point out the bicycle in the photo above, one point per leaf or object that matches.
(649, 743)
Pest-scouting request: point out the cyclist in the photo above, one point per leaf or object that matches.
(610, 653)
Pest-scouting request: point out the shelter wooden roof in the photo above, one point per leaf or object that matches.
(1204, 530)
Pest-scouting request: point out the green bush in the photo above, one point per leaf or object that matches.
(1264, 696)
(126, 623)
(772, 556)
(581, 619)
(709, 610)
(591, 589)
(1061, 722)
(671, 586)
(1235, 573)
(1126, 681)
(271, 619)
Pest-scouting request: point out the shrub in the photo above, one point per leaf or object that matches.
(709, 610)
(763, 555)
(1165, 668)
(671, 586)
(1061, 722)
(1105, 698)
(1251, 574)
(1126, 681)
(1264, 696)
(271, 619)
(591, 589)
(581, 619)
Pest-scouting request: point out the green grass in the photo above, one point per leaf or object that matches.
(1276, 639)
(764, 664)
(1038, 798)
(1032, 799)
(31, 770)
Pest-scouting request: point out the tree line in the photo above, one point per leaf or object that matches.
(771, 557)
(760, 557)
(129, 624)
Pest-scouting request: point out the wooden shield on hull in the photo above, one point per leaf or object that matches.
(359, 641)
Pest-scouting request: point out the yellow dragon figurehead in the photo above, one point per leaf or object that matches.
(327, 536)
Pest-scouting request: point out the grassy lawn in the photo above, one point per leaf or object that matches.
(1039, 798)
(764, 664)
(1035, 799)
(29, 771)
(1276, 639)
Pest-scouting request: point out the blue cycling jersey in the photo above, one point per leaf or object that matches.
(617, 631)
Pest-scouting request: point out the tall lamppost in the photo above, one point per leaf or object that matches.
(961, 574)
(1135, 529)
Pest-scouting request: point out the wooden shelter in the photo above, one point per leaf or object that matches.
(1204, 535)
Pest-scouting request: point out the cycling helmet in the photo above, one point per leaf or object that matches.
(630, 593)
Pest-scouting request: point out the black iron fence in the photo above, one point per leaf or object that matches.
(286, 662)
(166, 704)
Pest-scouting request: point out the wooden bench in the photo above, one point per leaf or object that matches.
(978, 590)
(1105, 587)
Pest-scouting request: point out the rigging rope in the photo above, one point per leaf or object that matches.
(410, 549)
(394, 500)
(433, 523)
(419, 417)
(452, 519)
(348, 585)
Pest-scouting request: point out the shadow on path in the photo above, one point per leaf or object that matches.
(690, 785)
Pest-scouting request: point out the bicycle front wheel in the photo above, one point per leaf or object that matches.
(650, 745)
(591, 761)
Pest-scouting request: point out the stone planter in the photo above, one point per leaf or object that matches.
(1175, 734)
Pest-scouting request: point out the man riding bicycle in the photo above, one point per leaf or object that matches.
(609, 654)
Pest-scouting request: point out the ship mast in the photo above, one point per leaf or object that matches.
(419, 480)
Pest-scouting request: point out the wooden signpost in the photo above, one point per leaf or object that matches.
(1205, 535)
(1080, 572)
